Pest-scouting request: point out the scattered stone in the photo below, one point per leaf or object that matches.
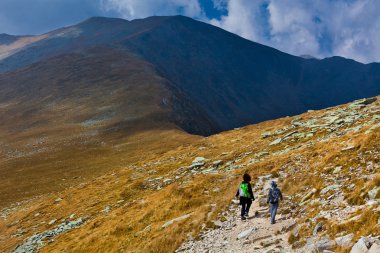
(107, 209)
(52, 221)
(275, 142)
(199, 160)
(372, 193)
(308, 195)
(217, 223)
(268, 242)
(145, 230)
(344, 241)
(360, 246)
(337, 169)
(348, 148)
(330, 188)
(261, 154)
(290, 134)
(371, 202)
(217, 162)
(58, 200)
(246, 233)
(318, 228)
(168, 223)
(37, 241)
(325, 244)
(375, 248)
(266, 134)
(296, 230)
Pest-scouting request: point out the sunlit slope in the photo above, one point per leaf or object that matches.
(334, 151)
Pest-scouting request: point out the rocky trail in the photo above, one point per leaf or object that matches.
(255, 234)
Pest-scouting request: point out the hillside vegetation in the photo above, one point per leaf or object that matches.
(326, 162)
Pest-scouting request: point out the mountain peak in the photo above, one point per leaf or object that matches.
(7, 38)
(102, 20)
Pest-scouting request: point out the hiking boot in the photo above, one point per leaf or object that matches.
(246, 215)
(243, 218)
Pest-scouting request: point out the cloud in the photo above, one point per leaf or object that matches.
(131, 9)
(348, 28)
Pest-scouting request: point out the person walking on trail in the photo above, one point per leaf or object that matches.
(274, 195)
(246, 195)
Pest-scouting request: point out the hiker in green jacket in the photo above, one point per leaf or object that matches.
(246, 195)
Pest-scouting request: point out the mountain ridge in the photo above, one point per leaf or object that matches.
(242, 75)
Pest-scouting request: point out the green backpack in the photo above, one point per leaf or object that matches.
(243, 190)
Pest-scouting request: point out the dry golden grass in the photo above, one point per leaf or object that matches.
(143, 206)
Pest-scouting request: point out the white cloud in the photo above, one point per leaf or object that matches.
(131, 9)
(349, 28)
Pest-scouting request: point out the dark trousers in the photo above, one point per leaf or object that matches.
(245, 205)
(273, 212)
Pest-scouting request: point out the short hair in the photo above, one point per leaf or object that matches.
(246, 177)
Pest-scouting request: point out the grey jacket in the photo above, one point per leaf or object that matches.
(274, 188)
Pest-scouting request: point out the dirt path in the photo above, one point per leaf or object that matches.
(255, 234)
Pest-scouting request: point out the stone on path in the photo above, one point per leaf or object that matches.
(246, 233)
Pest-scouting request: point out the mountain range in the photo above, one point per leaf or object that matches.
(200, 78)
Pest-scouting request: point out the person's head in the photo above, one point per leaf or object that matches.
(273, 184)
(247, 178)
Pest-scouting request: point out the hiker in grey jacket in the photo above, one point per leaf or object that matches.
(274, 195)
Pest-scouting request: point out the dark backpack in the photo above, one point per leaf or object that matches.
(274, 195)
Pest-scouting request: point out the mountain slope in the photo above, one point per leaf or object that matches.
(240, 82)
(82, 113)
(326, 162)
(235, 81)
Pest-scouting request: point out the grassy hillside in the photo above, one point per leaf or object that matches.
(74, 122)
(327, 163)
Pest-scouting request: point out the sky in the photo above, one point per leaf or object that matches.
(320, 28)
